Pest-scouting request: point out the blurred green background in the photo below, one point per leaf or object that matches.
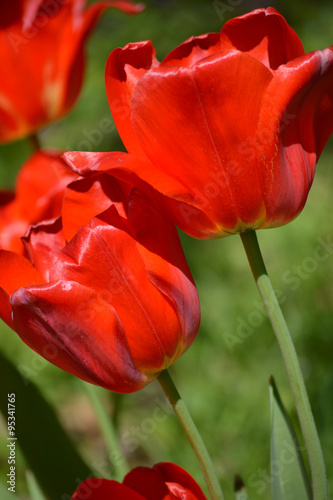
(225, 384)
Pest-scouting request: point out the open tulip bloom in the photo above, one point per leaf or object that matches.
(222, 137)
(115, 305)
(229, 126)
(42, 47)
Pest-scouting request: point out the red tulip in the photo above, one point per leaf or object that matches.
(229, 126)
(42, 59)
(115, 305)
(165, 481)
(39, 191)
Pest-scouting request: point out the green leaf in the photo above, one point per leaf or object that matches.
(5, 494)
(46, 447)
(34, 490)
(117, 461)
(288, 474)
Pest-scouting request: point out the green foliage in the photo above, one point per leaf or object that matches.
(47, 449)
(33, 487)
(288, 476)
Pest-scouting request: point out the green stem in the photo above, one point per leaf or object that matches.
(117, 461)
(192, 434)
(308, 426)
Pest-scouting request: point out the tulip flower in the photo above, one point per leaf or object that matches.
(39, 191)
(165, 481)
(111, 301)
(42, 45)
(229, 126)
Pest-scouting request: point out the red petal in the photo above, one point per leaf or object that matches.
(185, 119)
(40, 185)
(12, 12)
(106, 259)
(166, 265)
(174, 474)
(5, 308)
(295, 123)
(193, 50)
(16, 272)
(38, 195)
(86, 198)
(265, 35)
(83, 24)
(76, 329)
(51, 84)
(123, 69)
(179, 493)
(180, 203)
(123, 166)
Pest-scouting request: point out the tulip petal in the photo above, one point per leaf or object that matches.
(148, 482)
(193, 50)
(41, 243)
(177, 200)
(296, 121)
(77, 330)
(42, 179)
(6, 308)
(165, 263)
(105, 259)
(265, 35)
(86, 198)
(102, 489)
(17, 272)
(123, 69)
(172, 473)
(123, 166)
(201, 143)
(177, 492)
(39, 190)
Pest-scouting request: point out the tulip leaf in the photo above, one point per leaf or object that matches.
(5, 494)
(46, 447)
(288, 474)
(34, 490)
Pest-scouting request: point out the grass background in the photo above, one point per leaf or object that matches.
(225, 387)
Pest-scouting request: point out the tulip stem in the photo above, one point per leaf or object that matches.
(192, 434)
(308, 426)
